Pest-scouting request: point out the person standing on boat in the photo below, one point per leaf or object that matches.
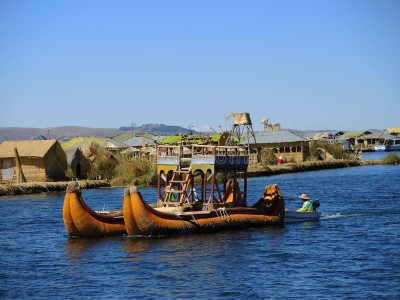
(169, 196)
(307, 203)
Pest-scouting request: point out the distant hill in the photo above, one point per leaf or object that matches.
(58, 133)
(159, 129)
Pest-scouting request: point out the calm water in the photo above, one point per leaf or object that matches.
(378, 154)
(353, 252)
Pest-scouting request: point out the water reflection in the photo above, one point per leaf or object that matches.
(78, 249)
(134, 247)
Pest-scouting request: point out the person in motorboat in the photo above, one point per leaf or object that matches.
(307, 204)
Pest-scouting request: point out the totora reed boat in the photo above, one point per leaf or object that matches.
(193, 200)
(81, 221)
(200, 190)
(142, 219)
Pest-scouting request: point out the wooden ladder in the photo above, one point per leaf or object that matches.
(179, 184)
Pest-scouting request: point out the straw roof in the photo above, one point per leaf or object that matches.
(355, 134)
(31, 148)
(82, 142)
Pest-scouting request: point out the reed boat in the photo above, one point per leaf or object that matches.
(81, 221)
(142, 219)
(182, 208)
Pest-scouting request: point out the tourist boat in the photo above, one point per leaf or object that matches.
(392, 144)
(81, 221)
(183, 209)
(379, 148)
(292, 216)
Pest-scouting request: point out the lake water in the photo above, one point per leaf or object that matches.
(378, 154)
(353, 252)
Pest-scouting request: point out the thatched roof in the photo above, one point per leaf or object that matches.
(82, 142)
(31, 148)
(354, 134)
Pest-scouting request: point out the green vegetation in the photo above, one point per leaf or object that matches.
(136, 170)
(325, 151)
(268, 157)
(391, 159)
(123, 170)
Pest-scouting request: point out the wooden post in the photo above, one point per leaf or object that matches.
(20, 174)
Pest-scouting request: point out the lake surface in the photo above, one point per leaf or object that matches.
(378, 154)
(353, 252)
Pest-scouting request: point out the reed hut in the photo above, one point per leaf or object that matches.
(77, 162)
(96, 154)
(33, 160)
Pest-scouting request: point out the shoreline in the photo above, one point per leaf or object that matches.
(14, 189)
(258, 170)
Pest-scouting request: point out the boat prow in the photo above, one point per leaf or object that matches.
(292, 216)
(81, 221)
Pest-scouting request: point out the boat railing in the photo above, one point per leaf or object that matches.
(202, 154)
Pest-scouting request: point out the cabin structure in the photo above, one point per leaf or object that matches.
(292, 147)
(139, 142)
(114, 146)
(374, 139)
(178, 173)
(353, 136)
(32, 160)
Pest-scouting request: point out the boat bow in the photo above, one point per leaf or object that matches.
(81, 221)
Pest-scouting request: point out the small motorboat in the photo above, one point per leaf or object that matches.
(292, 216)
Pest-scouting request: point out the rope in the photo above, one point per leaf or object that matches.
(222, 213)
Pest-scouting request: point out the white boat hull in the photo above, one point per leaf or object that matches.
(292, 216)
(379, 148)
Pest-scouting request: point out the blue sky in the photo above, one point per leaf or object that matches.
(304, 64)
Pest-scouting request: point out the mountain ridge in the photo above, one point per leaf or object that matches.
(61, 132)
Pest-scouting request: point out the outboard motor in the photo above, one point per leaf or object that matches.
(315, 204)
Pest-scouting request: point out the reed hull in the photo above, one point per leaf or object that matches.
(141, 219)
(81, 221)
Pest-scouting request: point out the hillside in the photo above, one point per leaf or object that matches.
(20, 133)
(158, 129)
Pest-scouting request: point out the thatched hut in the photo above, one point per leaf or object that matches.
(77, 162)
(96, 154)
(33, 160)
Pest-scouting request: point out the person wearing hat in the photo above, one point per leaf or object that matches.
(307, 203)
